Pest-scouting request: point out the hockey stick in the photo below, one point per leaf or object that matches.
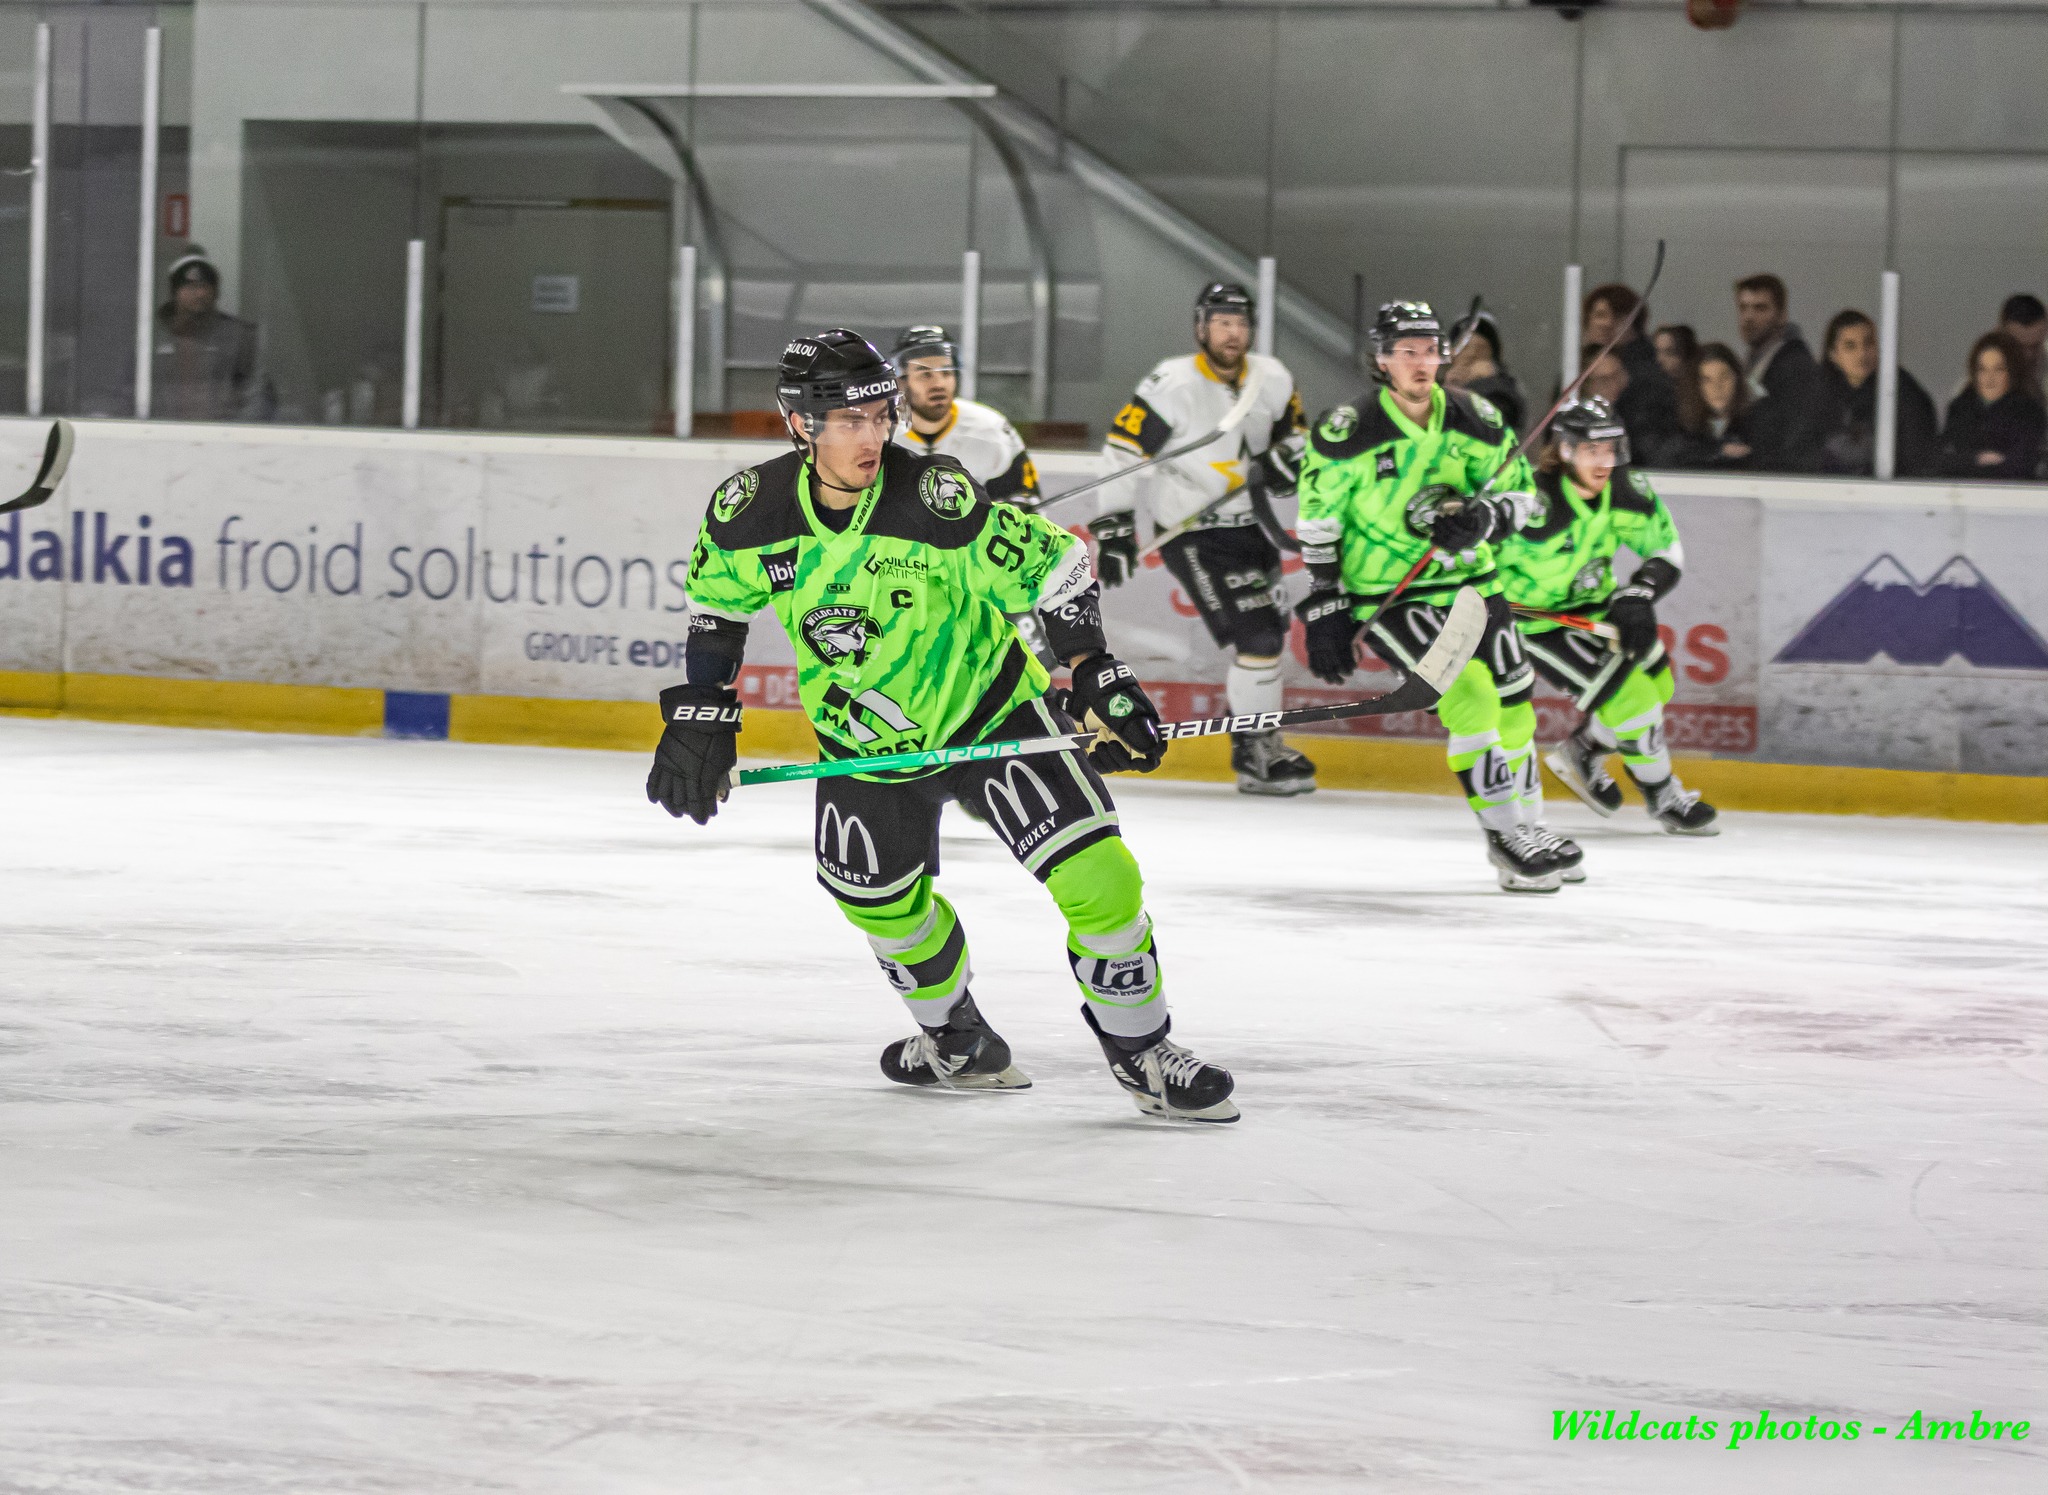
(56, 458)
(1232, 419)
(1433, 674)
(1594, 626)
(1190, 524)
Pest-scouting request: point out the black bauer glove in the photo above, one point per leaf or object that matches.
(1116, 547)
(1332, 634)
(698, 748)
(1633, 613)
(1462, 524)
(1106, 694)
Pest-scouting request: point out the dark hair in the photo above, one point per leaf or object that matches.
(1616, 297)
(1722, 353)
(1688, 341)
(1769, 285)
(2015, 359)
(2023, 310)
(1840, 323)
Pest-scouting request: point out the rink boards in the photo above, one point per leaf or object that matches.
(531, 589)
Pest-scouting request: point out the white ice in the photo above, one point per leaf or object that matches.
(434, 1119)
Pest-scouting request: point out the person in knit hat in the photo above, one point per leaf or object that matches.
(205, 359)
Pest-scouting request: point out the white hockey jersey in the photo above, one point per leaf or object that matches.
(988, 446)
(1179, 400)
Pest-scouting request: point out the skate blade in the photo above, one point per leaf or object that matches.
(1568, 776)
(1575, 874)
(1274, 788)
(1012, 1078)
(1711, 828)
(1514, 882)
(1150, 1105)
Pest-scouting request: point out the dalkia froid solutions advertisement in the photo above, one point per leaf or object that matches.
(524, 566)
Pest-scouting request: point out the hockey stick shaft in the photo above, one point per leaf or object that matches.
(1190, 524)
(1593, 626)
(56, 459)
(1232, 419)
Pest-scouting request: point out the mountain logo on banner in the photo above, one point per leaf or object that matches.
(1886, 612)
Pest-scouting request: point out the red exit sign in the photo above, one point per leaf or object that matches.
(177, 215)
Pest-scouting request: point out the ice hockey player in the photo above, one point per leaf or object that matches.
(1562, 561)
(938, 423)
(1227, 566)
(891, 573)
(1414, 470)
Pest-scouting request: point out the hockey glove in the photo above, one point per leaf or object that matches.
(698, 748)
(1116, 547)
(1462, 525)
(1278, 467)
(1107, 697)
(1332, 634)
(1633, 613)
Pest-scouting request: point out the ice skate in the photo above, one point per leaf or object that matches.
(1564, 851)
(1524, 863)
(1267, 765)
(1165, 1080)
(1581, 766)
(965, 1054)
(1680, 810)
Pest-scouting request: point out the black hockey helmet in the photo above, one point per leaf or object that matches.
(1399, 320)
(832, 370)
(1589, 418)
(924, 342)
(1224, 296)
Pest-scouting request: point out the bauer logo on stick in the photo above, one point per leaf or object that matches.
(945, 492)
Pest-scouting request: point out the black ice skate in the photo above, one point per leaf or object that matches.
(1165, 1080)
(1524, 863)
(1581, 766)
(1564, 851)
(1680, 810)
(1266, 765)
(965, 1054)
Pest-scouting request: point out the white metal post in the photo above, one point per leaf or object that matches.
(1888, 374)
(1574, 286)
(145, 238)
(686, 339)
(39, 221)
(1269, 305)
(415, 307)
(970, 321)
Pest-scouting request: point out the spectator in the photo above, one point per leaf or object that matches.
(1994, 427)
(1652, 418)
(1478, 368)
(2025, 320)
(1719, 438)
(1678, 349)
(205, 361)
(1848, 406)
(1784, 381)
(1641, 405)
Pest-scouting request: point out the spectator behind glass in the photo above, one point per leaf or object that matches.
(1640, 404)
(1784, 382)
(1994, 427)
(2025, 320)
(1652, 416)
(1848, 406)
(205, 360)
(1678, 349)
(1720, 439)
(1478, 368)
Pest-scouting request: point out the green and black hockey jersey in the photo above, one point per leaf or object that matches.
(1372, 477)
(897, 620)
(1562, 558)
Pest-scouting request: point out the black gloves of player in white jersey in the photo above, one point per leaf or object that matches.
(698, 748)
(1331, 634)
(1106, 695)
(1116, 547)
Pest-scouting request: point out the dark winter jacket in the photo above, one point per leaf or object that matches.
(1784, 418)
(1701, 450)
(1505, 394)
(2011, 426)
(206, 370)
(1648, 406)
(1847, 427)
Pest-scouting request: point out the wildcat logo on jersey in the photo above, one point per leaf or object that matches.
(1591, 578)
(734, 494)
(945, 492)
(1338, 424)
(836, 633)
(1428, 503)
(1641, 483)
(1488, 411)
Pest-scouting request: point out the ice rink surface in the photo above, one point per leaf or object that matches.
(433, 1119)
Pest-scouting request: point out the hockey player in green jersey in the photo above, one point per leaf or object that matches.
(1562, 561)
(891, 572)
(1412, 471)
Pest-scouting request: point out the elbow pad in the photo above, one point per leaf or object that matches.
(714, 650)
(1073, 626)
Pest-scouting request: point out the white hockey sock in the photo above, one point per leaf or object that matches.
(1529, 788)
(1253, 685)
(1643, 747)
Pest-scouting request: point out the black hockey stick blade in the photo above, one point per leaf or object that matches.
(56, 457)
